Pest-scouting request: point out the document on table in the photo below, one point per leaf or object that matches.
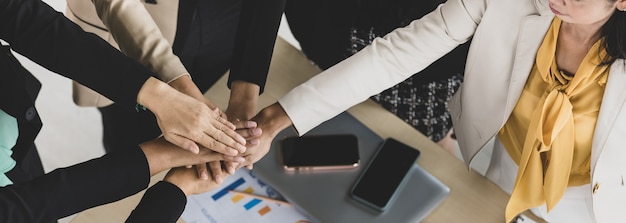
(222, 206)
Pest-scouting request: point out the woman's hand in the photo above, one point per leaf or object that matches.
(188, 182)
(271, 120)
(162, 155)
(185, 85)
(187, 122)
(241, 107)
(244, 97)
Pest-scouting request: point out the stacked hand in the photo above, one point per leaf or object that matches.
(188, 122)
(241, 108)
(162, 155)
(187, 180)
(271, 120)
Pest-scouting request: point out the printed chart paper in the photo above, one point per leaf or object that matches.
(222, 206)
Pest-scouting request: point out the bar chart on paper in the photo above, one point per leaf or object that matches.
(223, 206)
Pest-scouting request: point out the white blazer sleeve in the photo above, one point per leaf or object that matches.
(139, 37)
(383, 64)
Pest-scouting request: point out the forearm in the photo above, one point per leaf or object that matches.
(254, 43)
(244, 97)
(153, 91)
(139, 37)
(273, 119)
(185, 85)
(162, 155)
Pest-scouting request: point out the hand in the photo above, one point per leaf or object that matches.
(247, 129)
(188, 182)
(185, 121)
(162, 155)
(241, 108)
(244, 97)
(272, 120)
(185, 85)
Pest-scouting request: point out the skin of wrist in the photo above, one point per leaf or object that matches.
(243, 99)
(158, 159)
(273, 119)
(152, 91)
(185, 85)
(182, 83)
(179, 183)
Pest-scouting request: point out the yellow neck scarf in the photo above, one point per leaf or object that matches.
(557, 114)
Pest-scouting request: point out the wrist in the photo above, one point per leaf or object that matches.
(185, 188)
(152, 91)
(157, 160)
(273, 119)
(163, 155)
(243, 100)
(185, 85)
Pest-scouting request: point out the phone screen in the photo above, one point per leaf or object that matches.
(384, 175)
(320, 152)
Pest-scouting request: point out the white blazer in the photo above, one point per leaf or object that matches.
(506, 35)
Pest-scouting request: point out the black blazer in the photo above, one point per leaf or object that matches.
(233, 47)
(322, 29)
(45, 36)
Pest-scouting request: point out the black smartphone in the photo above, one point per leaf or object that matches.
(320, 152)
(384, 175)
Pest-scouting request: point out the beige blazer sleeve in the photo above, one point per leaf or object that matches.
(134, 32)
(139, 37)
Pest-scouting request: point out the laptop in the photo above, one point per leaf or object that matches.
(324, 195)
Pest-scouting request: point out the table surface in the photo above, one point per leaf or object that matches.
(472, 197)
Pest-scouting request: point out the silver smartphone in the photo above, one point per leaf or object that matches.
(320, 152)
(377, 186)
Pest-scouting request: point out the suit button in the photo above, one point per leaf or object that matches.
(30, 113)
(596, 187)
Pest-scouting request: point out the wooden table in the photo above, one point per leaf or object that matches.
(472, 197)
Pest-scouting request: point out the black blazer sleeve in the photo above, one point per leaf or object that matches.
(254, 41)
(66, 191)
(47, 37)
(163, 202)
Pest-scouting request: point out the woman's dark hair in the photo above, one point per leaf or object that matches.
(614, 33)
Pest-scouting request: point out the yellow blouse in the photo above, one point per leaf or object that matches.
(550, 131)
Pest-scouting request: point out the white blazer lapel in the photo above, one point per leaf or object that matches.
(532, 33)
(613, 102)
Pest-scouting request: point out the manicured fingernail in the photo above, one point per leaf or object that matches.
(241, 148)
(204, 175)
(255, 142)
(218, 178)
(194, 148)
(231, 170)
(256, 131)
(250, 124)
(232, 152)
